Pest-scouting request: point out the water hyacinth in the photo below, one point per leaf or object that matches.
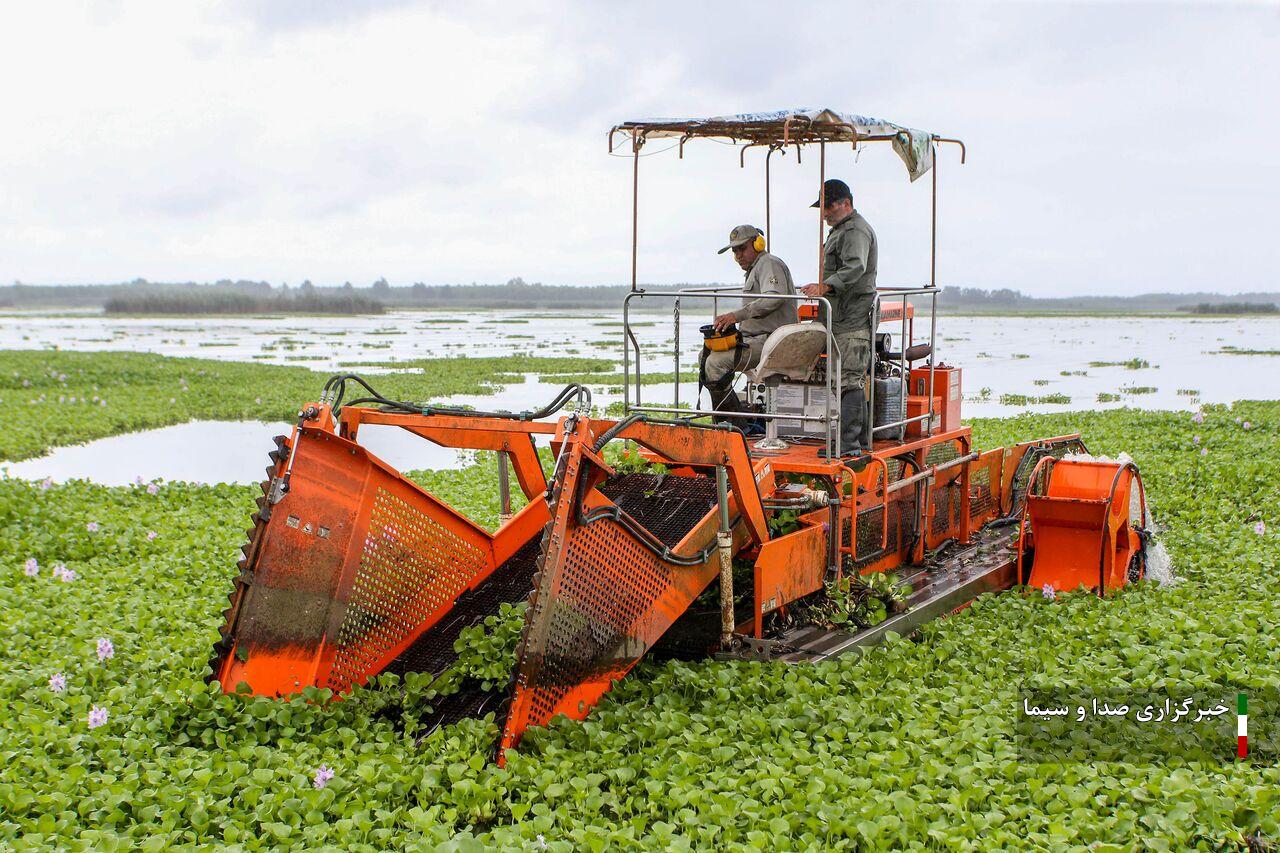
(97, 716)
(92, 527)
(46, 483)
(1195, 439)
(1197, 418)
(1204, 451)
(62, 573)
(151, 535)
(1260, 528)
(105, 649)
(31, 567)
(1049, 592)
(57, 682)
(322, 777)
(1247, 425)
(152, 488)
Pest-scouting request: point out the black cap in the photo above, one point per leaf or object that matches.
(833, 190)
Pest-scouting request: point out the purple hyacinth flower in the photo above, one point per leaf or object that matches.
(57, 682)
(105, 649)
(322, 777)
(31, 567)
(1049, 592)
(97, 717)
(92, 527)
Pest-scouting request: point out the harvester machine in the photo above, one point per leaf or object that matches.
(733, 548)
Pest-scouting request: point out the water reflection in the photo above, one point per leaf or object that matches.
(212, 452)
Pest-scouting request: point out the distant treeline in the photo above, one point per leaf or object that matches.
(243, 303)
(1235, 308)
(973, 299)
(231, 296)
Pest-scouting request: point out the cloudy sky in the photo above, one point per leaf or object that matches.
(1112, 148)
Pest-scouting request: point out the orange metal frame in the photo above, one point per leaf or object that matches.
(393, 558)
(1079, 524)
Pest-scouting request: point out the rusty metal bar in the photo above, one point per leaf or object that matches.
(636, 142)
(822, 205)
(724, 544)
(933, 227)
(931, 472)
(504, 488)
(768, 221)
(953, 142)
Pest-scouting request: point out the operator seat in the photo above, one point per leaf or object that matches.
(790, 352)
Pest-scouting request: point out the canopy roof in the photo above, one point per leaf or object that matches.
(796, 127)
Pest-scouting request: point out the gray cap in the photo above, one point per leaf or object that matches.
(741, 234)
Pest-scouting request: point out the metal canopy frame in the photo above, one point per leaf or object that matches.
(776, 132)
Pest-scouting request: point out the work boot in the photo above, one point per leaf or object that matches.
(725, 399)
(854, 424)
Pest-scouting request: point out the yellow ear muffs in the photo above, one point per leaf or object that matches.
(758, 245)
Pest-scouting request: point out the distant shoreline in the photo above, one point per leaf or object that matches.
(77, 311)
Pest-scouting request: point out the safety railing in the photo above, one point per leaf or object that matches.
(905, 341)
(831, 417)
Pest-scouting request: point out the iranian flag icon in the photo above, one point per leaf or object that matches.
(1242, 727)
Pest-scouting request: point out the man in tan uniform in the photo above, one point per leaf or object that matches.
(849, 282)
(764, 273)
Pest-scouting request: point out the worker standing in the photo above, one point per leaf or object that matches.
(849, 282)
(764, 273)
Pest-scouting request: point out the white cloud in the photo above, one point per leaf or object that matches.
(1113, 149)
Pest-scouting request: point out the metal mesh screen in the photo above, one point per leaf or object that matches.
(510, 583)
(592, 612)
(901, 517)
(981, 502)
(663, 504)
(603, 598)
(1018, 486)
(410, 567)
(870, 530)
(940, 453)
(946, 508)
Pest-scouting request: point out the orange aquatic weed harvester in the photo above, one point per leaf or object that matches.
(352, 570)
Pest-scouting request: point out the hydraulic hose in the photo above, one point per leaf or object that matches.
(336, 386)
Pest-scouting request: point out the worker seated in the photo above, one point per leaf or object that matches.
(755, 319)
